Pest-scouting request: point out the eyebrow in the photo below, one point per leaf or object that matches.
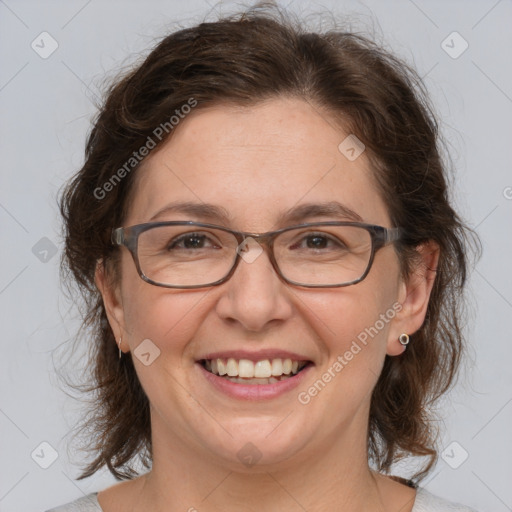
(329, 209)
(200, 210)
(297, 214)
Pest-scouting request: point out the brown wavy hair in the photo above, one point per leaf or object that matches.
(242, 59)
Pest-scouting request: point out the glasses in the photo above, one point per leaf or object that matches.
(186, 254)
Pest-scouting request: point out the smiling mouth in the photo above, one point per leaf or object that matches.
(245, 371)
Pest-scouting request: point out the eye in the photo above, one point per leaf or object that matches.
(319, 241)
(192, 241)
(316, 242)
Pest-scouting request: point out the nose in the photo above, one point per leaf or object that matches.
(254, 296)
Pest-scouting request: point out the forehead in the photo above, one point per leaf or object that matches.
(255, 163)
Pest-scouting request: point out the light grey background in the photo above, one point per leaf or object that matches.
(46, 108)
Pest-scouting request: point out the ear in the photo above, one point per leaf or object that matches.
(414, 296)
(111, 300)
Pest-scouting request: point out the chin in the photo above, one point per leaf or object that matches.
(258, 446)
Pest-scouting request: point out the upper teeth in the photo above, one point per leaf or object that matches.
(249, 369)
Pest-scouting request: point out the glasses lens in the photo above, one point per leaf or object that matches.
(186, 255)
(323, 255)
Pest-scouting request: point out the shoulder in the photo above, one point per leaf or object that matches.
(427, 502)
(87, 503)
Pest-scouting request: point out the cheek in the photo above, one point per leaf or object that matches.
(345, 316)
(352, 326)
(149, 312)
(169, 318)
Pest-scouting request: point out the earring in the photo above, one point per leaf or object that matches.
(119, 345)
(403, 339)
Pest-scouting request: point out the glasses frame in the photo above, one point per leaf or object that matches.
(129, 236)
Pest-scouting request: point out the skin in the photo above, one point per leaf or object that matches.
(257, 162)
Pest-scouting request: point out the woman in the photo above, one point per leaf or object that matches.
(273, 273)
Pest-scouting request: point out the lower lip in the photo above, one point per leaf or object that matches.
(254, 391)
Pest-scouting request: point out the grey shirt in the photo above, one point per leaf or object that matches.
(425, 502)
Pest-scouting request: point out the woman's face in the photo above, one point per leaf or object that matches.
(255, 164)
